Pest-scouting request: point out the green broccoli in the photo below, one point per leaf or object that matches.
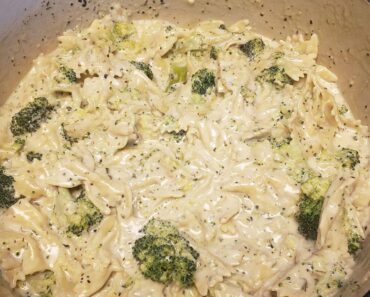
(289, 152)
(160, 228)
(310, 205)
(85, 216)
(202, 80)
(301, 174)
(29, 119)
(76, 215)
(354, 243)
(348, 157)
(69, 74)
(352, 229)
(7, 192)
(253, 48)
(315, 187)
(39, 284)
(122, 30)
(145, 68)
(164, 255)
(121, 36)
(19, 144)
(308, 216)
(178, 74)
(276, 76)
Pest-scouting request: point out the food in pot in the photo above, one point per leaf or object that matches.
(140, 158)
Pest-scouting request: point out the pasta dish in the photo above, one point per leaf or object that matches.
(140, 158)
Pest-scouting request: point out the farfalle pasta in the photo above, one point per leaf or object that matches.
(244, 144)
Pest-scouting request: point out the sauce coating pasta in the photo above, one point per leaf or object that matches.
(243, 143)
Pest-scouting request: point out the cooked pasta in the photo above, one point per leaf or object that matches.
(225, 134)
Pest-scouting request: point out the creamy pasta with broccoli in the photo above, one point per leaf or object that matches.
(140, 158)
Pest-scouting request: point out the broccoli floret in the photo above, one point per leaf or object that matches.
(302, 174)
(29, 119)
(19, 144)
(276, 76)
(39, 284)
(76, 215)
(160, 228)
(178, 74)
(69, 74)
(85, 216)
(310, 205)
(213, 54)
(122, 30)
(308, 216)
(164, 255)
(352, 229)
(253, 48)
(145, 68)
(202, 80)
(154, 255)
(348, 157)
(315, 187)
(354, 243)
(121, 36)
(290, 154)
(184, 271)
(32, 156)
(7, 193)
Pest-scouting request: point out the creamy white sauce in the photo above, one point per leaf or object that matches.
(222, 184)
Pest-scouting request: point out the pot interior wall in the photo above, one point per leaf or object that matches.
(29, 27)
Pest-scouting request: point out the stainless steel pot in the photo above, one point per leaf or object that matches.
(28, 27)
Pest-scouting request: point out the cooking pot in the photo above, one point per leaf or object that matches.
(29, 27)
